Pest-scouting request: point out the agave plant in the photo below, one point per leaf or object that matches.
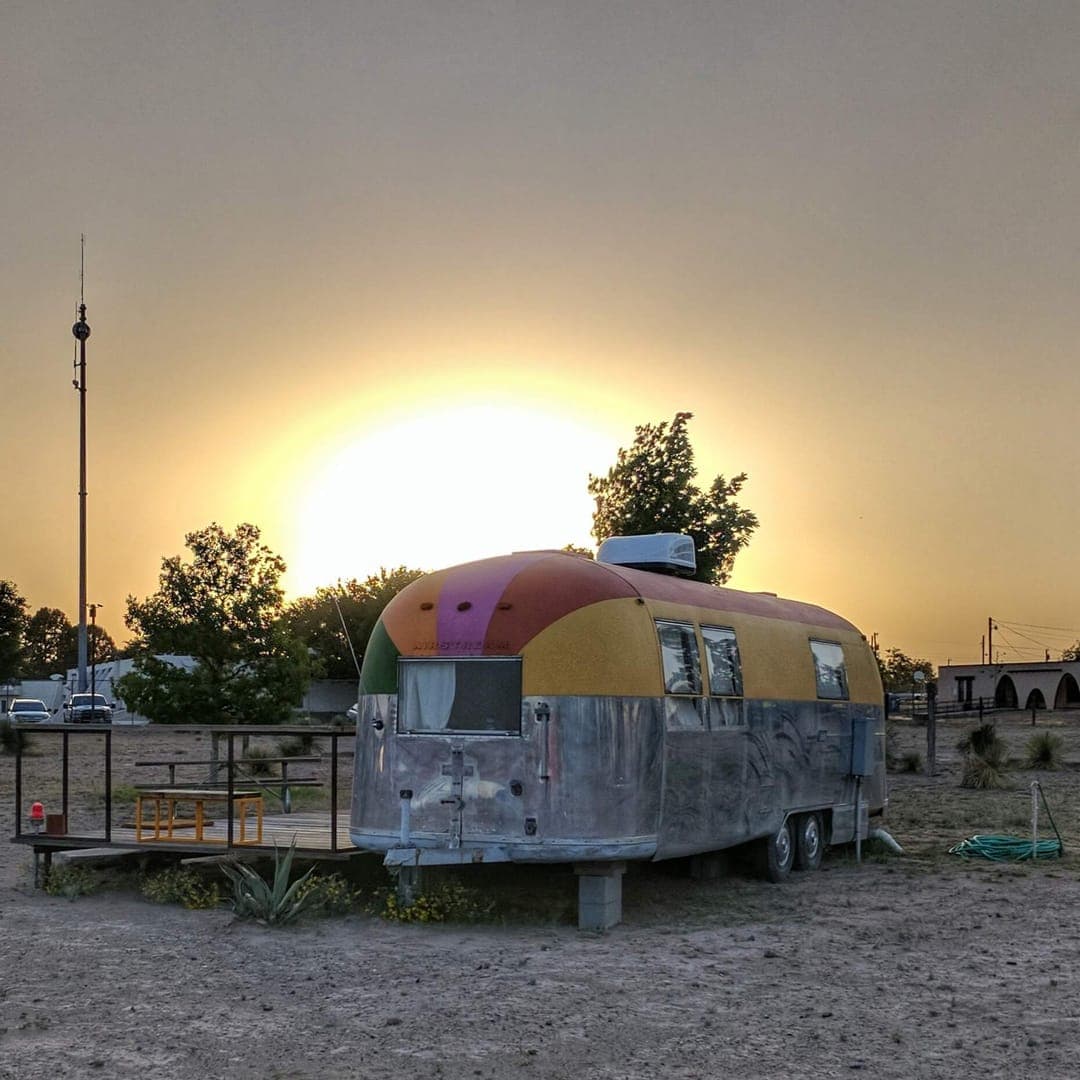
(276, 902)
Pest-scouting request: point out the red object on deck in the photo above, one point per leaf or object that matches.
(37, 814)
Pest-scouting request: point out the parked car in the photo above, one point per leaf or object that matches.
(26, 710)
(88, 709)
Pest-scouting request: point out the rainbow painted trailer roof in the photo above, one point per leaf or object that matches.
(589, 628)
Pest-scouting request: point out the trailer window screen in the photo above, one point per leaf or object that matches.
(722, 657)
(830, 670)
(480, 696)
(679, 652)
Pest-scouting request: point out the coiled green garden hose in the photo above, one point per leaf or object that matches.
(1000, 848)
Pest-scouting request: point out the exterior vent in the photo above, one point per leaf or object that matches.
(662, 553)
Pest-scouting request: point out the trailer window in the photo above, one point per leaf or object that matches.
(830, 670)
(481, 696)
(679, 651)
(722, 657)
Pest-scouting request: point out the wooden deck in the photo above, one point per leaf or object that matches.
(310, 830)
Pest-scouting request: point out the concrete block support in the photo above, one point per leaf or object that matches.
(709, 866)
(599, 894)
(410, 883)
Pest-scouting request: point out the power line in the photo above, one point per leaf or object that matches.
(1037, 626)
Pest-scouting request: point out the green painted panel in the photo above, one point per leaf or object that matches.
(379, 672)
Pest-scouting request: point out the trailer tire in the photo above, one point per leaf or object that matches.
(809, 842)
(778, 853)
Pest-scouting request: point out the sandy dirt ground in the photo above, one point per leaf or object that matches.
(919, 965)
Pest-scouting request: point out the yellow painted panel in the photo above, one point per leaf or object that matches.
(607, 648)
(611, 648)
(775, 654)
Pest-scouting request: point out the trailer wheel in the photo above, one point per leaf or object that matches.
(809, 842)
(778, 853)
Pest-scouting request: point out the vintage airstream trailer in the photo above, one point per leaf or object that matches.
(543, 706)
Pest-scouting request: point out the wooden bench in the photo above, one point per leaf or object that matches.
(165, 821)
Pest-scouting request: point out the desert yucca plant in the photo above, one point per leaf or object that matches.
(982, 774)
(984, 758)
(276, 902)
(983, 742)
(1044, 751)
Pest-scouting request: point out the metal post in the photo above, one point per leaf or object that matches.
(64, 771)
(108, 785)
(1034, 819)
(18, 791)
(229, 791)
(333, 791)
(858, 820)
(93, 658)
(81, 330)
(931, 728)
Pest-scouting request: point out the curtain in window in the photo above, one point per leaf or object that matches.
(429, 694)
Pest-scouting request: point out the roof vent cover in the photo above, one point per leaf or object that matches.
(662, 553)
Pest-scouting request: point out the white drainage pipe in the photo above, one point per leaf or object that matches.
(886, 839)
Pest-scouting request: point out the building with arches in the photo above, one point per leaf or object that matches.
(1042, 685)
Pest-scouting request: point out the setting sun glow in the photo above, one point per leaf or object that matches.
(446, 486)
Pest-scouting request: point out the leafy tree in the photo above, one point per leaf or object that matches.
(898, 669)
(12, 627)
(51, 644)
(315, 620)
(573, 549)
(1072, 652)
(224, 609)
(651, 489)
(48, 632)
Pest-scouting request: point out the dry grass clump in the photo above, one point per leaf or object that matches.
(12, 739)
(982, 774)
(255, 763)
(1044, 751)
(911, 762)
(984, 759)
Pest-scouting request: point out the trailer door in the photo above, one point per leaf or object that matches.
(460, 746)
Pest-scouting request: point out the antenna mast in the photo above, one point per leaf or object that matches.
(81, 330)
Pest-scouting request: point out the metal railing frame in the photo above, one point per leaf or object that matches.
(65, 731)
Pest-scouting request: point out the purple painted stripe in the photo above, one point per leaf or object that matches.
(480, 585)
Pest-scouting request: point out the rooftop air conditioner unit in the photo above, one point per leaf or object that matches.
(662, 553)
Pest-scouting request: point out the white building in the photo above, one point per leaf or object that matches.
(324, 699)
(1052, 685)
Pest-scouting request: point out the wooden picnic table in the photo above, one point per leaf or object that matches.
(165, 821)
(244, 766)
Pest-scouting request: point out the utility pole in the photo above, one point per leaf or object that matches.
(990, 639)
(81, 330)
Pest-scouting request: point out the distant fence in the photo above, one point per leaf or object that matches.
(914, 706)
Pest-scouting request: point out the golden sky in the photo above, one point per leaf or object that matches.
(390, 279)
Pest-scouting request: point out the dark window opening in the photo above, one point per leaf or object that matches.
(722, 658)
(830, 670)
(482, 696)
(679, 654)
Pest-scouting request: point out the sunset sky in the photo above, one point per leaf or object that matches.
(390, 279)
